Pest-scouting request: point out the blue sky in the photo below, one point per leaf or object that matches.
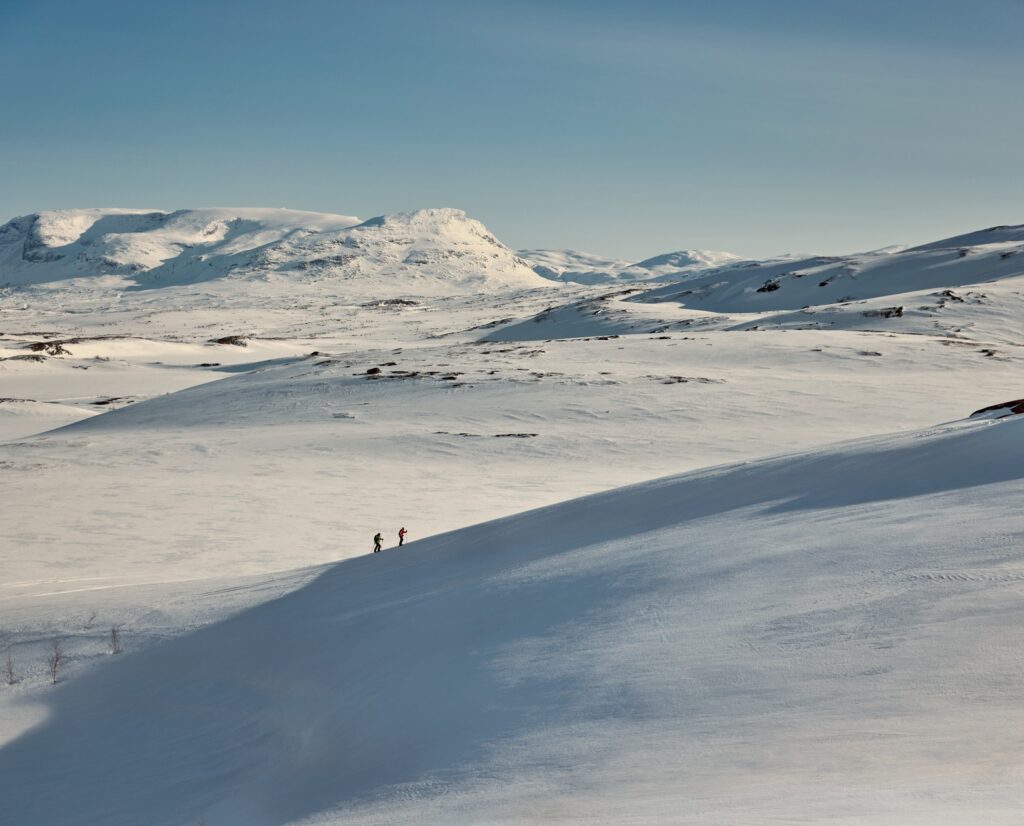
(622, 128)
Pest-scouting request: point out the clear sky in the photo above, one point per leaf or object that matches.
(621, 128)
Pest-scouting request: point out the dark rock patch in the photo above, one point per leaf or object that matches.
(884, 312)
(53, 348)
(1012, 408)
(237, 341)
(390, 302)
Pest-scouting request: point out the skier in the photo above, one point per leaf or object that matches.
(377, 540)
(401, 536)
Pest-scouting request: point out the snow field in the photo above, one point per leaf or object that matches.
(824, 637)
(790, 639)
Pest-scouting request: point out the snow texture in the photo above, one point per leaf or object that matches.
(203, 411)
(584, 268)
(796, 638)
(152, 249)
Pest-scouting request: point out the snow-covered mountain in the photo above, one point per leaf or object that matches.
(202, 412)
(422, 251)
(583, 268)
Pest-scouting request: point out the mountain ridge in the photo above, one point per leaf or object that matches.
(427, 249)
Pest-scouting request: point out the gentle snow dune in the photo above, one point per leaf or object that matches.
(828, 637)
(301, 460)
(23, 417)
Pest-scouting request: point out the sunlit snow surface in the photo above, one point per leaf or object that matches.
(828, 637)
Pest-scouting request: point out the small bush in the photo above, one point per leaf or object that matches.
(54, 661)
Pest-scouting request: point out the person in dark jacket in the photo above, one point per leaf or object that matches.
(377, 540)
(401, 536)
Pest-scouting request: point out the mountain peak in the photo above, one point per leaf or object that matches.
(428, 217)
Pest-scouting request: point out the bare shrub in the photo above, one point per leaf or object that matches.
(9, 671)
(115, 640)
(54, 660)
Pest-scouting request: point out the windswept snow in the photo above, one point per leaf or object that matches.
(790, 640)
(791, 285)
(202, 411)
(969, 286)
(299, 459)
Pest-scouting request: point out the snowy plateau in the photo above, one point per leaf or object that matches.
(692, 540)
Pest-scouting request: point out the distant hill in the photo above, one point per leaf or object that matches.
(792, 283)
(934, 288)
(422, 251)
(584, 268)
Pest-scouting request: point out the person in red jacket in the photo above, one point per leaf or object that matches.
(401, 536)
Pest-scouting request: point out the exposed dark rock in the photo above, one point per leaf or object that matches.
(237, 341)
(53, 348)
(1013, 408)
(391, 302)
(884, 312)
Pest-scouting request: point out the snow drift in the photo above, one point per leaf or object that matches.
(797, 638)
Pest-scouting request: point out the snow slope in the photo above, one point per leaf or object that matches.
(299, 460)
(828, 637)
(428, 249)
(970, 284)
(229, 429)
(792, 284)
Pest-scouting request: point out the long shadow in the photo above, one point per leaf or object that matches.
(380, 672)
(385, 669)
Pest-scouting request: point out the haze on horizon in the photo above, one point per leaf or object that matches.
(625, 129)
